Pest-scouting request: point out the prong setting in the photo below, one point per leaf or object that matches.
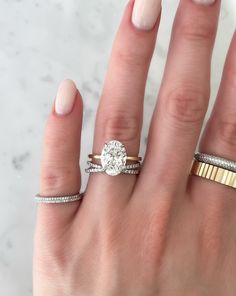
(113, 158)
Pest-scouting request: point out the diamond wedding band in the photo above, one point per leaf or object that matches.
(132, 169)
(58, 199)
(217, 161)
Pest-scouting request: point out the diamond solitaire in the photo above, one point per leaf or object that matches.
(114, 160)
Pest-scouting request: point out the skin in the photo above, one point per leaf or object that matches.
(163, 232)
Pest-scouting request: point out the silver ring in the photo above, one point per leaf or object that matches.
(114, 161)
(96, 170)
(216, 161)
(58, 199)
(130, 169)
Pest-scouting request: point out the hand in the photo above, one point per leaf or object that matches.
(164, 232)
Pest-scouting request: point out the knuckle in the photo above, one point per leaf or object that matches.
(227, 130)
(54, 179)
(186, 105)
(193, 30)
(133, 58)
(121, 126)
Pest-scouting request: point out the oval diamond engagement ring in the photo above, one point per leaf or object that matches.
(114, 160)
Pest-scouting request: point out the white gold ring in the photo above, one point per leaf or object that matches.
(58, 199)
(216, 161)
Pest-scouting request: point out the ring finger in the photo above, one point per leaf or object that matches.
(120, 111)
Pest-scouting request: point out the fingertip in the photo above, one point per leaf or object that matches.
(66, 97)
(135, 23)
(145, 14)
(68, 81)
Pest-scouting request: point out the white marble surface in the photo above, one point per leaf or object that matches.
(41, 43)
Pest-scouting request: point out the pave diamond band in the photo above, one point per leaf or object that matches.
(216, 161)
(58, 199)
(114, 161)
(127, 166)
(96, 170)
(130, 169)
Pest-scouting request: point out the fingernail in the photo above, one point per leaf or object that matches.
(65, 98)
(146, 13)
(204, 2)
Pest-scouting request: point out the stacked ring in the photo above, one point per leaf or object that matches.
(215, 168)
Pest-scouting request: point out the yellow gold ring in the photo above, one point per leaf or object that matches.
(214, 173)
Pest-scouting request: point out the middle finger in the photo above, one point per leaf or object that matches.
(183, 97)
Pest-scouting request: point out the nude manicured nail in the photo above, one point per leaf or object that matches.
(65, 98)
(146, 13)
(204, 2)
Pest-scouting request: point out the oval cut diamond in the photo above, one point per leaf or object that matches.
(113, 158)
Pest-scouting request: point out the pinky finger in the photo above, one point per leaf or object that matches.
(60, 172)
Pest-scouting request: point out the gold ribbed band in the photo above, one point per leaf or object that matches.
(132, 158)
(214, 173)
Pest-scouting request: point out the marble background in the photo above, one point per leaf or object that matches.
(41, 43)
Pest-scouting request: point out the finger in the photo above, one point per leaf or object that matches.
(60, 173)
(219, 137)
(120, 111)
(220, 134)
(183, 97)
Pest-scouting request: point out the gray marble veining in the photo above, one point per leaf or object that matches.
(41, 43)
